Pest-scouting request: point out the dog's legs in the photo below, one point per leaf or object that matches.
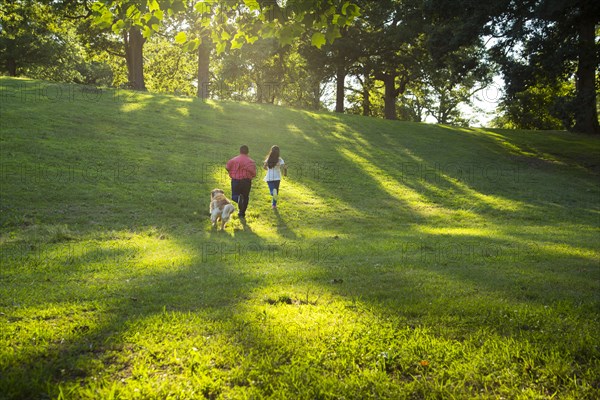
(214, 217)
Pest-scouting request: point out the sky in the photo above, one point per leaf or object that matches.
(485, 103)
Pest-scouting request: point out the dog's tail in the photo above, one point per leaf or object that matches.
(227, 210)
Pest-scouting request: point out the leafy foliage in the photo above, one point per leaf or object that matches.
(552, 45)
(35, 41)
(169, 68)
(538, 107)
(261, 18)
(395, 58)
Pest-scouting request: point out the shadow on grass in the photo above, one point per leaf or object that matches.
(130, 294)
(283, 230)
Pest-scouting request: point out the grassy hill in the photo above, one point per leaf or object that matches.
(405, 261)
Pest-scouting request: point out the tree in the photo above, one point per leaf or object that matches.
(453, 80)
(536, 108)
(415, 102)
(334, 61)
(390, 30)
(34, 40)
(138, 20)
(203, 19)
(133, 41)
(344, 52)
(134, 22)
(169, 67)
(317, 70)
(536, 42)
(253, 73)
(362, 99)
(304, 82)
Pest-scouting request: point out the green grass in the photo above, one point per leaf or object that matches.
(405, 261)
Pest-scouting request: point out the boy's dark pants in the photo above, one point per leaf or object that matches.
(241, 187)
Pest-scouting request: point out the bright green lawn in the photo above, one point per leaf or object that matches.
(405, 261)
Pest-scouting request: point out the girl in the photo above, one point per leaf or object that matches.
(274, 166)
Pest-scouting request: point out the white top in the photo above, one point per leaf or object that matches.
(274, 174)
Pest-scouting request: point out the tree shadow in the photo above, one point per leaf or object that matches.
(209, 285)
(283, 229)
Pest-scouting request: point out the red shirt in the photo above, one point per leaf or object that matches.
(241, 167)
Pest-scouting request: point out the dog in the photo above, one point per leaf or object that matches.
(220, 208)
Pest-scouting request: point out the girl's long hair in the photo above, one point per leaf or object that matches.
(273, 157)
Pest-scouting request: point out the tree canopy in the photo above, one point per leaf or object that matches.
(398, 59)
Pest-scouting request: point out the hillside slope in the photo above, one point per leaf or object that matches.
(114, 140)
(434, 246)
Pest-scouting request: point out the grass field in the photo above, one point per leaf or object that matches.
(405, 261)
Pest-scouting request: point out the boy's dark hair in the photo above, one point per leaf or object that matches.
(244, 149)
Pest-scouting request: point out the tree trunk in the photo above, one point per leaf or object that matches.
(366, 103)
(586, 114)
(390, 95)
(134, 45)
(442, 114)
(366, 94)
(11, 66)
(316, 97)
(203, 67)
(339, 93)
(258, 84)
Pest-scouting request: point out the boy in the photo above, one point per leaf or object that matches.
(242, 169)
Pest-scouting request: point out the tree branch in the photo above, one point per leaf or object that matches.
(114, 53)
(86, 15)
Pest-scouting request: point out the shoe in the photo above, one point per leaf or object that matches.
(275, 194)
(274, 206)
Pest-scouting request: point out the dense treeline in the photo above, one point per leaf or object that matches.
(397, 59)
